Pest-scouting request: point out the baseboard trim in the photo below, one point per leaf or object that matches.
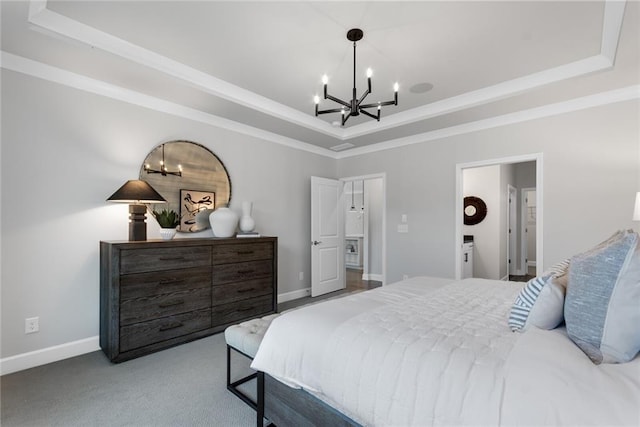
(376, 277)
(289, 296)
(47, 355)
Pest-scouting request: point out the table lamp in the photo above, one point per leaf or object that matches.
(136, 192)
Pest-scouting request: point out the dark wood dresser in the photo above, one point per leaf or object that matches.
(156, 294)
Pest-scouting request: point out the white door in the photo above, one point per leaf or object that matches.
(327, 236)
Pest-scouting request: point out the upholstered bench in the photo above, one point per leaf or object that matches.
(245, 338)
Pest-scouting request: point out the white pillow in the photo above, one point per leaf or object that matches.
(541, 301)
(539, 304)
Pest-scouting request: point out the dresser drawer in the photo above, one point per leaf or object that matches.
(167, 258)
(241, 271)
(231, 292)
(223, 254)
(154, 331)
(242, 310)
(163, 282)
(150, 307)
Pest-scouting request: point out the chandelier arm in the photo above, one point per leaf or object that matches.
(164, 172)
(366, 113)
(364, 95)
(339, 101)
(333, 110)
(378, 104)
(345, 117)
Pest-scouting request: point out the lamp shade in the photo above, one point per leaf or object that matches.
(136, 191)
(636, 210)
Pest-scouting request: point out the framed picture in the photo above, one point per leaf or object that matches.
(191, 203)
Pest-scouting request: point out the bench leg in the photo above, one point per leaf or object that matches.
(233, 386)
(260, 410)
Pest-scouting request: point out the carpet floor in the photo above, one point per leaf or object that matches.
(180, 386)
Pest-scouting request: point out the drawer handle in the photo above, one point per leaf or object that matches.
(173, 325)
(242, 291)
(245, 271)
(172, 258)
(245, 252)
(171, 303)
(242, 310)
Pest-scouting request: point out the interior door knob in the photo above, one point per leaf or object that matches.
(316, 243)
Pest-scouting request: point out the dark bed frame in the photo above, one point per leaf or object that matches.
(286, 406)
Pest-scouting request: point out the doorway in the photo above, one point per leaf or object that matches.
(497, 253)
(364, 231)
(528, 231)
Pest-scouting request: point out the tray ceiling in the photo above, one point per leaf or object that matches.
(255, 66)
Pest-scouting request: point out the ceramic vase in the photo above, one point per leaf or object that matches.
(223, 222)
(247, 223)
(167, 233)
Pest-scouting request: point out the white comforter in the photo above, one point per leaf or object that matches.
(549, 381)
(413, 353)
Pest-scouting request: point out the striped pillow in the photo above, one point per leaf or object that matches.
(539, 304)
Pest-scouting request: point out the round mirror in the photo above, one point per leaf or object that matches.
(475, 210)
(191, 178)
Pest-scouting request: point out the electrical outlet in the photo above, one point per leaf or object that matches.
(405, 276)
(301, 276)
(31, 325)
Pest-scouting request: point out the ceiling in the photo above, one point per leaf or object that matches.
(255, 66)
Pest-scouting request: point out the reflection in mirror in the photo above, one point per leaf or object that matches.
(191, 178)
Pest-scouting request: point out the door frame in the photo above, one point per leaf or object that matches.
(383, 176)
(524, 249)
(459, 216)
(512, 227)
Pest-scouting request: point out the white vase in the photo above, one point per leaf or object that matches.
(223, 222)
(167, 233)
(247, 223)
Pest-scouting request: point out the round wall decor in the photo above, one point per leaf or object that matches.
(475, 209)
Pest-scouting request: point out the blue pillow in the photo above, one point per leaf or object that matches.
(602, 306)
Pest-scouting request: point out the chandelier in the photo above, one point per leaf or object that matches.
(163, 167)
(354, 107)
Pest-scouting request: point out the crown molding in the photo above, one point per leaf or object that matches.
(485, 95)
(48, 20)
(603, 98)
(36, 69)
(33, 68)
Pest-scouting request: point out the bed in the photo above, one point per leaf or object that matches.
(433, 351)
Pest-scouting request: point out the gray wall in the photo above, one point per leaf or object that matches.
(484, 182)
(65, 151)
(590, 172)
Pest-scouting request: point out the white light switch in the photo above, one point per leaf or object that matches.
(403, 218)
(403, 228)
